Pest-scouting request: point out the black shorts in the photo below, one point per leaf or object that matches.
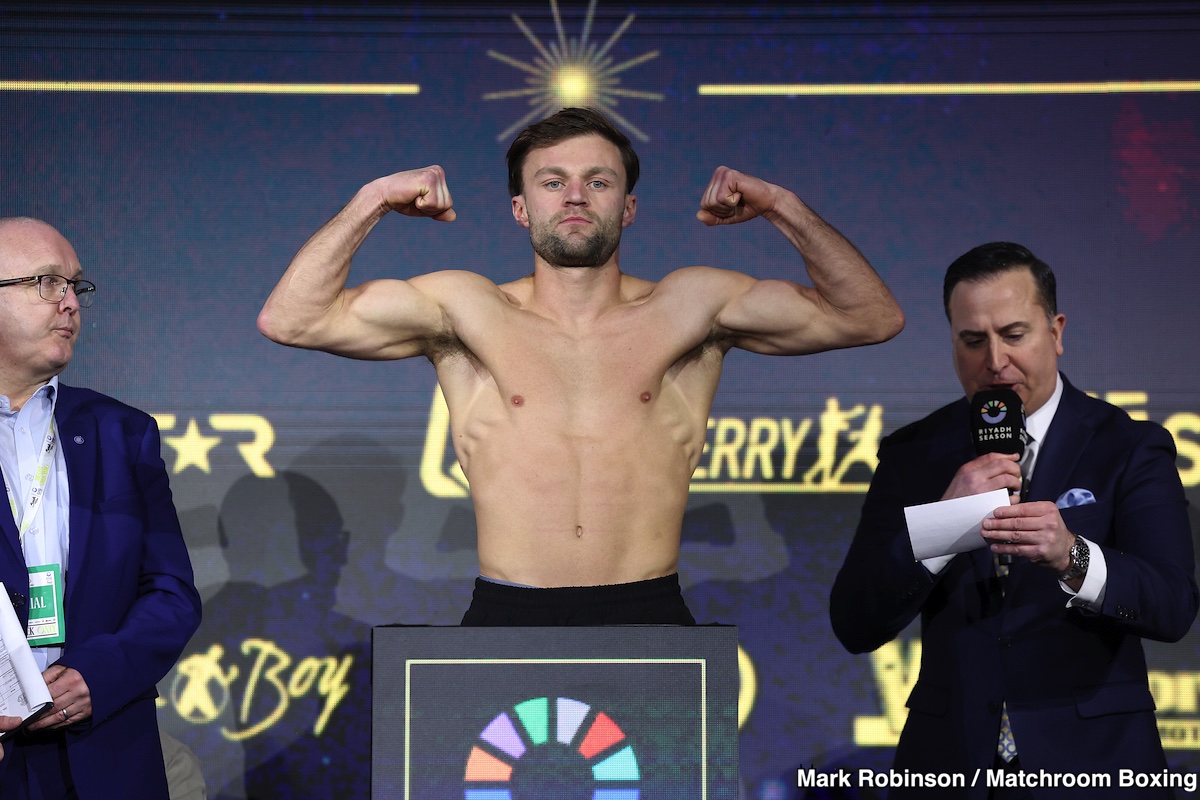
(654, 602)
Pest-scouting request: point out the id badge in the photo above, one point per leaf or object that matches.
(46, 621)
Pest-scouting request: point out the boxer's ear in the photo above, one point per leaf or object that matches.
(520, 213)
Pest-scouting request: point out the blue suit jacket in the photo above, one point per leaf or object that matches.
(131, 604)
(1075, 681)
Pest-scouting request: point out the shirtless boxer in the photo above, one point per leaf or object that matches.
(578, 395)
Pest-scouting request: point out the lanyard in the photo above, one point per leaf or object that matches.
(37, 490)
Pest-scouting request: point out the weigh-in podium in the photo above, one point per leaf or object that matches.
(639, 712)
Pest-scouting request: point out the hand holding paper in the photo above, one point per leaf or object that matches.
(23, 693)
(951, 526)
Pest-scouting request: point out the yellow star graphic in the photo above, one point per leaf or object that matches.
(192, 448)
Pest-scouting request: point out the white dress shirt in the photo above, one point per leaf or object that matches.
(22, 437)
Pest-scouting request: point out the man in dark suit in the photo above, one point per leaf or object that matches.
(89, 520)
(1031, 654)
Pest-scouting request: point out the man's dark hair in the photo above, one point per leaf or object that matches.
(568, 124)
(988, 260)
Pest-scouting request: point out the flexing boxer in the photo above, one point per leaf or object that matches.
(578, 395)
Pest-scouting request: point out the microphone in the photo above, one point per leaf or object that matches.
(998, 426)
(998, 422)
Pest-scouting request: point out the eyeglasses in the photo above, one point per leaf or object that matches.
(53, 288)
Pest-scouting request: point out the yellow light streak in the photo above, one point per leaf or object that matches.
(910, 89)
(170, 87)
(732, 487)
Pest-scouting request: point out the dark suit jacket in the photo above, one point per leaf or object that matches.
(131, 604)
(1075, 681)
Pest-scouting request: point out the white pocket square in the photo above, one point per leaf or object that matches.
(1075, 497)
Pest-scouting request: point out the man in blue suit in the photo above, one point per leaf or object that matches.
(1031, 662)
(90, 544)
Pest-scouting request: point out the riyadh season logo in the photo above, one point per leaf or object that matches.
(994, 412)
(559, 749)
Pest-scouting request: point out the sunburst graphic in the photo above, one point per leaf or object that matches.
(572, 72)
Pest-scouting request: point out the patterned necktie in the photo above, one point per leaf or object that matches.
(1026, 465)
(1001, 562)
(1006, 746)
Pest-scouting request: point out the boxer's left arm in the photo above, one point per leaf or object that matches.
(847, 305)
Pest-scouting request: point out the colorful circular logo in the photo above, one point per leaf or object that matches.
(994, 411)
(561, 749)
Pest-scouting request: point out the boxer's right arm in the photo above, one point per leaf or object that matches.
(311, 306)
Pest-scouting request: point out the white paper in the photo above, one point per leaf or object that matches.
(22, 688)
(951, 526)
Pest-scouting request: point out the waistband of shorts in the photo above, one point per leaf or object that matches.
(666, 586)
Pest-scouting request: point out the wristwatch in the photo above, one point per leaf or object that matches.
(1080, 555)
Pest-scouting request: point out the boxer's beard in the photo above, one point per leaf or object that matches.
(591, 250)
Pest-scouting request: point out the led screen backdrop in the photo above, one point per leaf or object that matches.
(189, 151)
